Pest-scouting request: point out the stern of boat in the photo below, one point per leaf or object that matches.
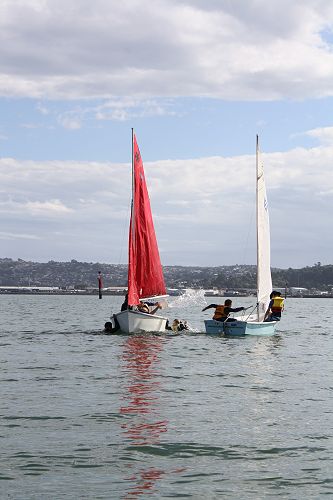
(214, 327)
(138, 322)
(236, 328)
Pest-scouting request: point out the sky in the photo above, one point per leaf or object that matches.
(197, 80)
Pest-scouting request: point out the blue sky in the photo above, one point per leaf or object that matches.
(190, 127)
(197, 80)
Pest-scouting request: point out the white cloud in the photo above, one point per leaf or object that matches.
(120, 109)
(70, 122)
(231, 50)
(43, 110)
(46, 208)
(323, 134)
(81, 209)
(129, 108)
(17, 236)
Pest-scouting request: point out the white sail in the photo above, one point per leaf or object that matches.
(264, 278)
(254, 324)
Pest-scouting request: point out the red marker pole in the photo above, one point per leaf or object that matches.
(100, 284)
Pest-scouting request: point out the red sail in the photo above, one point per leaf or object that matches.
(145, 274)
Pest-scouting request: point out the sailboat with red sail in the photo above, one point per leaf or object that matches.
(145, 273)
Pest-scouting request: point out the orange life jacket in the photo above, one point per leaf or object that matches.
(278, 303)
(220, 313)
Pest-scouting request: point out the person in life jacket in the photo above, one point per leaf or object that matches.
(222, 311)
(275, 307)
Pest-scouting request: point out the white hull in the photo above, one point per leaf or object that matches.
(239, 328)
(136, 322)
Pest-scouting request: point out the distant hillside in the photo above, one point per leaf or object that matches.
(81, 274)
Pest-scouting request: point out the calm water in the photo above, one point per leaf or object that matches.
(89, 416)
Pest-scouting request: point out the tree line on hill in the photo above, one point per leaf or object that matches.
(84, 274)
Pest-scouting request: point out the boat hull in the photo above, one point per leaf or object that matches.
(138, 322)
(240, 328)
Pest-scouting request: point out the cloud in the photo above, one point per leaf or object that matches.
(323, 134)
(203, 208)
(70, 122)
(16, 236)
(238, 51)
(43, 110)
(47, 208)
(129, 108)
(119, 110)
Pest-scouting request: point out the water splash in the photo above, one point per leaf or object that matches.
(189, 298)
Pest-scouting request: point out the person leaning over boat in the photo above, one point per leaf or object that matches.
(275, 307)
(142, 306)
(145, 307)
(222, 311)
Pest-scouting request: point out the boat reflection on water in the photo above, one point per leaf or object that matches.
(141, 356)
(144, 424)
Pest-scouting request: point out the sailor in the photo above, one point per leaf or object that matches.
(124, 305)
(222, 311)
(183, 325)
(178, 325)
(109, 329)
(145, 307)
(275, 307)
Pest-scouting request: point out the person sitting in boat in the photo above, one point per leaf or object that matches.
(275, 307)
(222, 311)
(145, 307)
(124, 305)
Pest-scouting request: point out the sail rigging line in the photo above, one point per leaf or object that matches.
(253, 309)
(247, 238)
(124, 232)
(129, 209)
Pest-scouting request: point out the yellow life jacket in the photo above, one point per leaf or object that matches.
(220, 313)
(278, 303)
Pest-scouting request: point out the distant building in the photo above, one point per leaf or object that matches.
(297, 291)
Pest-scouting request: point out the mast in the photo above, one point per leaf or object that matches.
(257, 219)
(132, 201)
(131, 238)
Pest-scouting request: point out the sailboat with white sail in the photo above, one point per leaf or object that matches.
(255, 324)
(145, 273)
